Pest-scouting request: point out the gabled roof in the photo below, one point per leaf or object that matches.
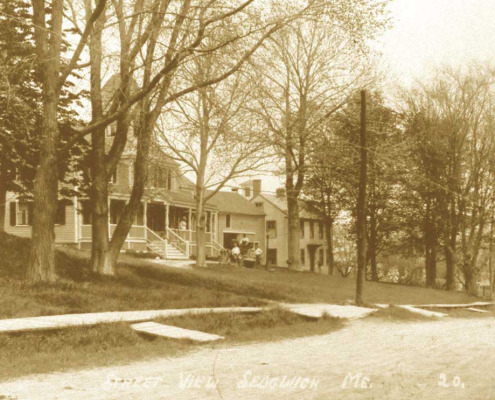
(306, 210)
(234, 203)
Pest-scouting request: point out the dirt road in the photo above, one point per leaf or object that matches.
(369, 359)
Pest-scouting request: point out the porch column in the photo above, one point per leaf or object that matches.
(214, 226)
(109, 220)
(167, 210)
(145, 219)
(189, 223)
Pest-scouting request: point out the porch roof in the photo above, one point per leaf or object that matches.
(180, 198)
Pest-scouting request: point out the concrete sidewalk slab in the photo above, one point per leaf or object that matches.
(70, 320)
(174, 332)
(477, 310)
(475, 304)
(332, 310)
(420, 311)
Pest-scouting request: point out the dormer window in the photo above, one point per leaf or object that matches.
(111, 130)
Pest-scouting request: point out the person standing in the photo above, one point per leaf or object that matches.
(183, 224)
(257, 254)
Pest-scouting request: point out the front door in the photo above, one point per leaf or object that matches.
(155, 217)
(228, 239)
(312, 256)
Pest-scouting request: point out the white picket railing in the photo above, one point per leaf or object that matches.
(152, 236)
(178, 242)
(217, 246)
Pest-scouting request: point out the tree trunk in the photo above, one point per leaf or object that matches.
(3, 195)
(330, 254)
(471, 277)
(361, 206)
(140, 178)
(450, 267)
(200, 228)
(99, 225)
(450, 260)
(294, 233)
(430, 241)
(491, 253)
(99, 187)
(45, 191)
(371, 250)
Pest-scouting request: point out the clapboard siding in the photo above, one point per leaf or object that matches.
(280, 243)
(63, 233)
(240, 223)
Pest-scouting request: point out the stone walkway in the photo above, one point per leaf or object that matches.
(332, 310)
(68, 320)
(174, 332)
(308, 310)
(425, 313)
(71, 320)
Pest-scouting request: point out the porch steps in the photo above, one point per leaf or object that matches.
(173, 253)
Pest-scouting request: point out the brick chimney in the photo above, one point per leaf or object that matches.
(256, 187)
(280, 192)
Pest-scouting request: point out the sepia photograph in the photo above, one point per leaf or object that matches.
(247, 199)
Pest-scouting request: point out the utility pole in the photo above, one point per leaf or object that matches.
(361, 205)
(490, 258)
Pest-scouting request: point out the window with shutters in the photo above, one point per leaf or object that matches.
(271, 229)
(23, 213)
(86, 212)
(13, 212)
(301, 228)
(312, 229)
(303, 257)
(60, 214)
(227, 221)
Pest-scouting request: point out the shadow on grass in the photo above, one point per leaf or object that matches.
(114, 344)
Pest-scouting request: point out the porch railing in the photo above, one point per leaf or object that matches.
(152, 236)
(178, 242)
(217, 247)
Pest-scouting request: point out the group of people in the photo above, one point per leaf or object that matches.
(243, 250)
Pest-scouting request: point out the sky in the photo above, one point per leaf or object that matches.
(426, 34)
(429, 33)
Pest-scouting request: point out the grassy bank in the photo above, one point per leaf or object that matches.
(141, 284)
(112, 344)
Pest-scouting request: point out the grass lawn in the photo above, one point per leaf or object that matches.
(141, 284)
(112, 344)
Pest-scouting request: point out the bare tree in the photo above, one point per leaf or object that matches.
(186, 24)
(306, 74)
(214, 135)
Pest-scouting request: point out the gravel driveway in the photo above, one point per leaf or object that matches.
(368, 359)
